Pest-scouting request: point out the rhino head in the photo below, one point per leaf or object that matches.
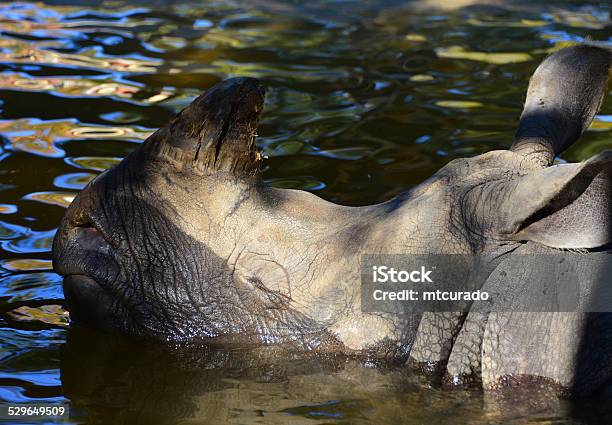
(182, 240)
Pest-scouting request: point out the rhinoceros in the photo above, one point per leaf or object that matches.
(183, 241)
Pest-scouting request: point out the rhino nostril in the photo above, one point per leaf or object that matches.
(86, 225)
(90, 238)
(87, 229)
(90, 230)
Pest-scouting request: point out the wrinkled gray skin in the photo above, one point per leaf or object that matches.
(183, 241)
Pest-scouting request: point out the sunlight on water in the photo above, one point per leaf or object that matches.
(93, 163)
(24, 265)
(364, 99)
(457, 52)
(52, 198)
(49, 314)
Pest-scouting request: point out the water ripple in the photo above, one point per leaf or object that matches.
(364, 99)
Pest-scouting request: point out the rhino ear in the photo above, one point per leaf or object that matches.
(564, 94)
(564, 206)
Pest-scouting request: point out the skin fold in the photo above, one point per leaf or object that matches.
(182, 241)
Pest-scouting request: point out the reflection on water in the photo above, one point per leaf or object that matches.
(125, 383)
(242, 386)
(42, 137)
(365, 99)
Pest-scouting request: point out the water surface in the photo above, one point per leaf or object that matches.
(365, 99)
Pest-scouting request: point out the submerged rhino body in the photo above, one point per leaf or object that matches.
(182, 241)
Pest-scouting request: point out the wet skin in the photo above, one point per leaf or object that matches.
(183, 241)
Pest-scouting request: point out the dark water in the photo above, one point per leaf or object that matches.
(364, 100)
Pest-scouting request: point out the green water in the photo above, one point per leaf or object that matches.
(365, 99)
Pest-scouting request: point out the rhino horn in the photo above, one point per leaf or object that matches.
(215, 133)
(564, 94)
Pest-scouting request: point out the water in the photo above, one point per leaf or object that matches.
(365, 99)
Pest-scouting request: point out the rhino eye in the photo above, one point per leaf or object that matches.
(255, 281)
